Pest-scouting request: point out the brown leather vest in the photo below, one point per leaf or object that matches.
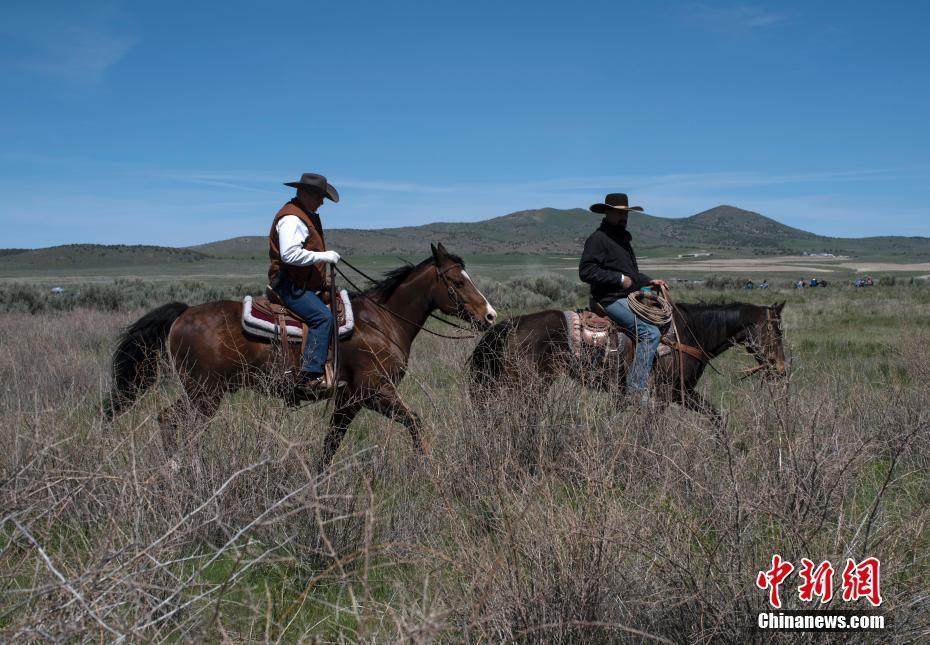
(310, 276)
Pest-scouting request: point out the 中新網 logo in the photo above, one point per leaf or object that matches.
(859, 580)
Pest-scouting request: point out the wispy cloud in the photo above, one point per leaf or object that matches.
(73, 45)
(268, 181)
(700, 182)
(397, 186)
(247, 184)
(198, 205)
(733, 17)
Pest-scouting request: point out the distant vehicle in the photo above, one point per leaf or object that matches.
(57, 290)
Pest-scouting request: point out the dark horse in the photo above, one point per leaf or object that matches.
(213, 356)
(538, 342)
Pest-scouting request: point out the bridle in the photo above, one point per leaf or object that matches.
(699, 353)
(452, 292)
(771, 322)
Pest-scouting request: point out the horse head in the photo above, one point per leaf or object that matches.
(455, 293)
(764, 341)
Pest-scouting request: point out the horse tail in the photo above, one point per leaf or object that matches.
(135, 360)
(487, 360)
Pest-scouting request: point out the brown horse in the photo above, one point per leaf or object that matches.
(538, 342)
(213, 356)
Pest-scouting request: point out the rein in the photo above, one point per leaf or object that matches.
(696, 352)
(452, 293)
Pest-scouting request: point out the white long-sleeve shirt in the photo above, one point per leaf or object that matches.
(291, 235)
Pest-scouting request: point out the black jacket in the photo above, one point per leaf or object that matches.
(607, 257)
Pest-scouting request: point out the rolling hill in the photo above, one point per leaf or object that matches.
(97, 256)
(723, 230)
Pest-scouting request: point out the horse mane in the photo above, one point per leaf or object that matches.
(386, 286)
(717, 312)
(706, 320)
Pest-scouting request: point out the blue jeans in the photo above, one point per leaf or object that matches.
(308, 306)
(647, 337)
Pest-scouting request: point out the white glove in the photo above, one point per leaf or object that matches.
(328, 257)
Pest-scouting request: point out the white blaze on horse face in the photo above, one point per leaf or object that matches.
(490, 314)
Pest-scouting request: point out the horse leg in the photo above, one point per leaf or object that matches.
(529, 441)
(338, 425)
(391, 406)
(169, 422)
(191, 413)
(697, 403)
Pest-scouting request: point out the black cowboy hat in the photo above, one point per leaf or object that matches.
(616, 202)
(315, 184)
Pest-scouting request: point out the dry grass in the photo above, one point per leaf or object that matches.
(625, 528)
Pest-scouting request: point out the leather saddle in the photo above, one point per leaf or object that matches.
(268, 317)
(271, 304)
(592, 332)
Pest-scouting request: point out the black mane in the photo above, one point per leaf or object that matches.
(386, 286)
(717, 313)
(709, 322)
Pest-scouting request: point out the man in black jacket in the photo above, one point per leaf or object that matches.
(609, 265)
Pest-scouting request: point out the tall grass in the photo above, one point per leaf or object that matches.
(564, 518)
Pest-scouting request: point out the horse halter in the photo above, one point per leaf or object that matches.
(771, 321)
(460, 309)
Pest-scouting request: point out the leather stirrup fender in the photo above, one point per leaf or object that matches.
(282, 337)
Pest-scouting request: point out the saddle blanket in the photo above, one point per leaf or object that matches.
(258, 322)
(588, 331)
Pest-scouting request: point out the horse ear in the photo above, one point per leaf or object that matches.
(442, 250)
(778, 306)
(432, 247)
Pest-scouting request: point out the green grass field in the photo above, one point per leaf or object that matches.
(632, 528)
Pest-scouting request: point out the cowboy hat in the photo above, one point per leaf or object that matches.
(315, 184)
(615, 202)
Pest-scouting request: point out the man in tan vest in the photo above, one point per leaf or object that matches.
(298, 270)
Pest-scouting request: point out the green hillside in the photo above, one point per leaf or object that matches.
(95, 256)
(5, 252)
(524, 241)
(725, 231)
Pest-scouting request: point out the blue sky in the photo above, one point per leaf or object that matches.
(175, 123)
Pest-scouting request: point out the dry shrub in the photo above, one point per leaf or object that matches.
(554, 516)
(631, 525)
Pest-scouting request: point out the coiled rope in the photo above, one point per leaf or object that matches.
(650, 307)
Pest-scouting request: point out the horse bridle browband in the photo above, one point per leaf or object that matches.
(450, 289)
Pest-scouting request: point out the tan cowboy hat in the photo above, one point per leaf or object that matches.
(616, 202)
